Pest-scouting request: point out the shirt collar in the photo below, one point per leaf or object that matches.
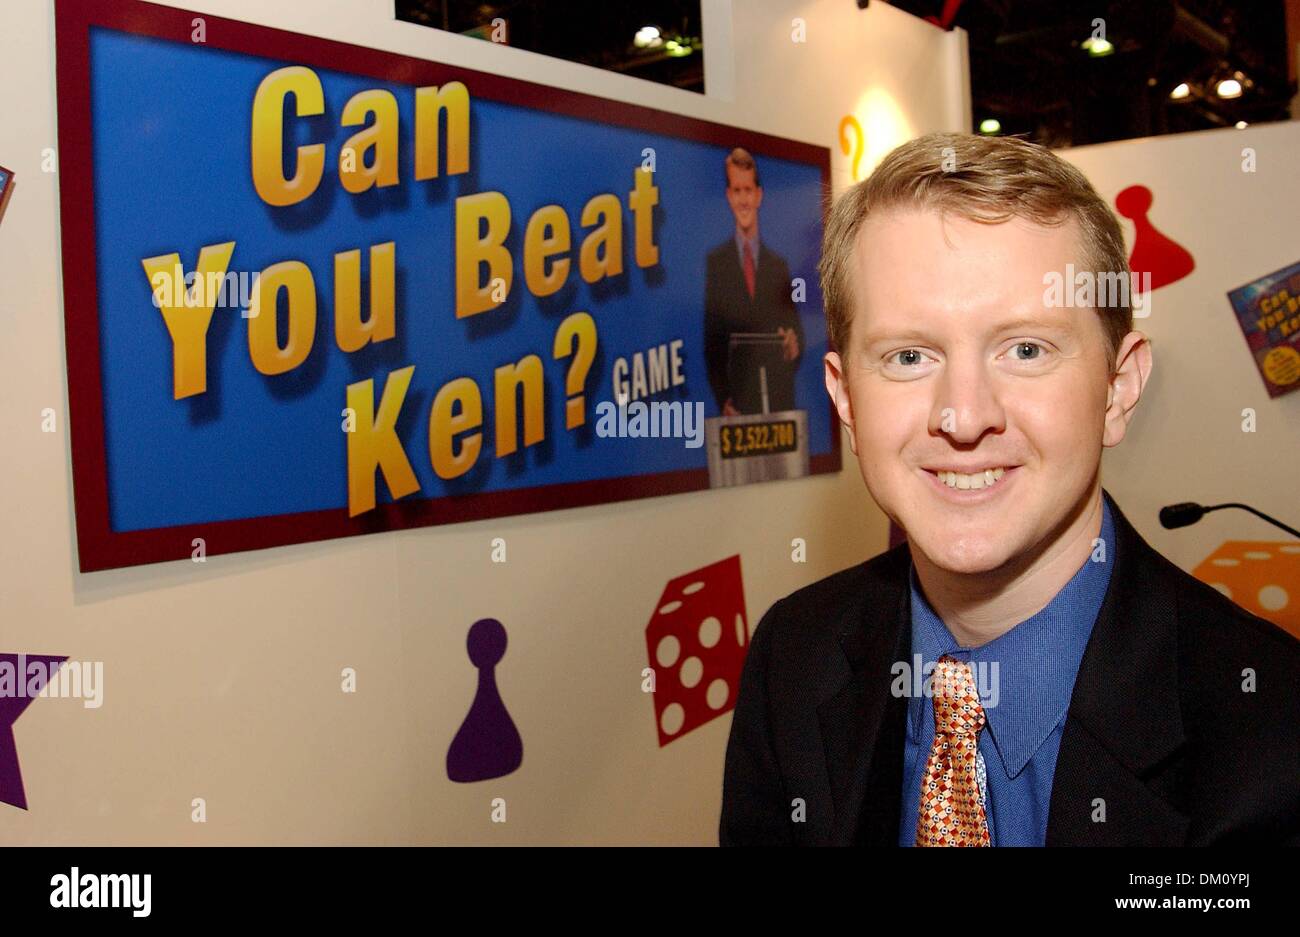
(1036, 662)
(753, 243)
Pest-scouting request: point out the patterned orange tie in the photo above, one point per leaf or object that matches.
(951, 812)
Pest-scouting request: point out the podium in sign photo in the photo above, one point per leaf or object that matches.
(758, 373)
(761, 444)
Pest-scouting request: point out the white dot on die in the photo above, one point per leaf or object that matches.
(693, 588)
(1222, 588)
(1290, 548)
(1257, 555)
(692, 671)
(671, 719)
(740, 629)
(710, 631)
(1273, 598)
(717, 694)
(668, 651)
(670, 607)
(1225, 561)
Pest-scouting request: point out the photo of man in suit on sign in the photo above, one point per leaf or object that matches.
(1025, 669)
(747, 291)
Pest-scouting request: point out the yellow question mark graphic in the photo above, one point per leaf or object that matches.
(582, 327)
(855, 147)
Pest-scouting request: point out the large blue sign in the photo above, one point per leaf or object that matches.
(319, 290)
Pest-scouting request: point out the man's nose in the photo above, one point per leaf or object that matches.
(968, 401)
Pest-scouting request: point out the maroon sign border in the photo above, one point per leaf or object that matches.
(98, 546)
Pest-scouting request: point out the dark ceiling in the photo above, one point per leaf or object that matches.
(594, 32)
(1028, 67)
(1029, 71)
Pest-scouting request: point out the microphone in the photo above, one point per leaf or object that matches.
(1183, 514)
(1186, 513)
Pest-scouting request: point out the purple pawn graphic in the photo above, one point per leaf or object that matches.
(488, 744)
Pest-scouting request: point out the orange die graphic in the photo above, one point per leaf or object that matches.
(1260, 576)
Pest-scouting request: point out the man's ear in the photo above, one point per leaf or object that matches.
(1133, 364)
(837, 385)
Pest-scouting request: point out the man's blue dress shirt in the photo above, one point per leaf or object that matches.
(1037, 663)
(753, 247)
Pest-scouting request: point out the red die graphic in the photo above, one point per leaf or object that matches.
(696, 641)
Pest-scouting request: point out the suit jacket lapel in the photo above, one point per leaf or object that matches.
(862, 724)
(1120, 751)
(763, 278)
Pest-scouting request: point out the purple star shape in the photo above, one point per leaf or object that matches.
(11, 707)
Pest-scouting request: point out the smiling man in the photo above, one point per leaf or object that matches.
(1025, 669)
(746, 295)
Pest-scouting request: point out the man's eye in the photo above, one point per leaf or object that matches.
(908, 356)
(1031, 346)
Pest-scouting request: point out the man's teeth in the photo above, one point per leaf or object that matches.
(964, 482)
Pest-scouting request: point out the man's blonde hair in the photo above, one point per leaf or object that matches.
(983, 179)
(740, 158)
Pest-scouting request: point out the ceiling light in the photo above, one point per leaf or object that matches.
(1228, 88)
(1097, 47)
(1180, 92)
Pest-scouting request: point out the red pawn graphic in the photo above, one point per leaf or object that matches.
(1165, 260)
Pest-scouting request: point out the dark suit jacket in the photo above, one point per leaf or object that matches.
(728, 308)
(1158, 726)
